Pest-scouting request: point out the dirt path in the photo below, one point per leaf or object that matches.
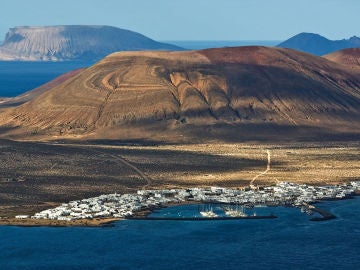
(136, 169)
(127, 163)
(120, 159)
(264, 172)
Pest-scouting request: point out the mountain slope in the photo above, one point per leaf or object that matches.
(349, 57)
(54, 43)
(318, 45)
(229, 93)
(29, 95)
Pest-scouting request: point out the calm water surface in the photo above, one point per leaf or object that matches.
(204, 44)
(19, 77)
(289, 242)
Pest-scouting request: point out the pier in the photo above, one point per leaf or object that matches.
(325, 215)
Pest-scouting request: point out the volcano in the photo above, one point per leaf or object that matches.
(232, 94)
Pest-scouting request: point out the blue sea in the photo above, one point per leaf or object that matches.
(19, 77)
(204, 44)
(290, 241)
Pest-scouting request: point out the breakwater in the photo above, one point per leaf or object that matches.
(325, 215)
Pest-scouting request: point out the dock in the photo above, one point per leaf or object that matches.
(325, 215)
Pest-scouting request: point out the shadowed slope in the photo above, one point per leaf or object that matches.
(217, 92)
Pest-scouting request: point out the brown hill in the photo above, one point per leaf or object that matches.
(255, 93)
(349, 57)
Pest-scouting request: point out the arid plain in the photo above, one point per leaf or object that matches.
(37, 176)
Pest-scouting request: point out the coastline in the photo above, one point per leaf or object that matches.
(143, 215)
(98, 222)
(157, 199)
(95, 222)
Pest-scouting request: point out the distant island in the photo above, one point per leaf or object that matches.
(317, 44)
(93, 42)
(72, 42)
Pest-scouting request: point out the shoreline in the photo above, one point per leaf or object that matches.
(143, 215)
(140, 205)
(99, 222)
(95, 222)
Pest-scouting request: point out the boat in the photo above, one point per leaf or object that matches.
(208, 212)
(235, 212)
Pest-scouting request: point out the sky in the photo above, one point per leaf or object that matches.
(193, 19)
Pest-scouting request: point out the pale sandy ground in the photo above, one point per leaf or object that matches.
(312, 164)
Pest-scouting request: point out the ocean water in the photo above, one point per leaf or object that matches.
(204, 44)
(289, 242)
(19, 77)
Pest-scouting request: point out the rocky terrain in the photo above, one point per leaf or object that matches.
(73, 42)
(317, 44)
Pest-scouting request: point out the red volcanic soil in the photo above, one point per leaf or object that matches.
(247, 54)
(349, 57)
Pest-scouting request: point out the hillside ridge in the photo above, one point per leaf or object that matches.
(349, 57)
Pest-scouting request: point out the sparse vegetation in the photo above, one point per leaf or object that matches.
(36, 175)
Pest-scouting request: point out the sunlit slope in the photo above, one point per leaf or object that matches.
(228, 89)
(349, 57)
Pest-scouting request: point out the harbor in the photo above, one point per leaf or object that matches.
(203, 218)
(133, 206)
(118, 240)
(204, 212)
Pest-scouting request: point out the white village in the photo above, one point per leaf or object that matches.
(124, 206)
